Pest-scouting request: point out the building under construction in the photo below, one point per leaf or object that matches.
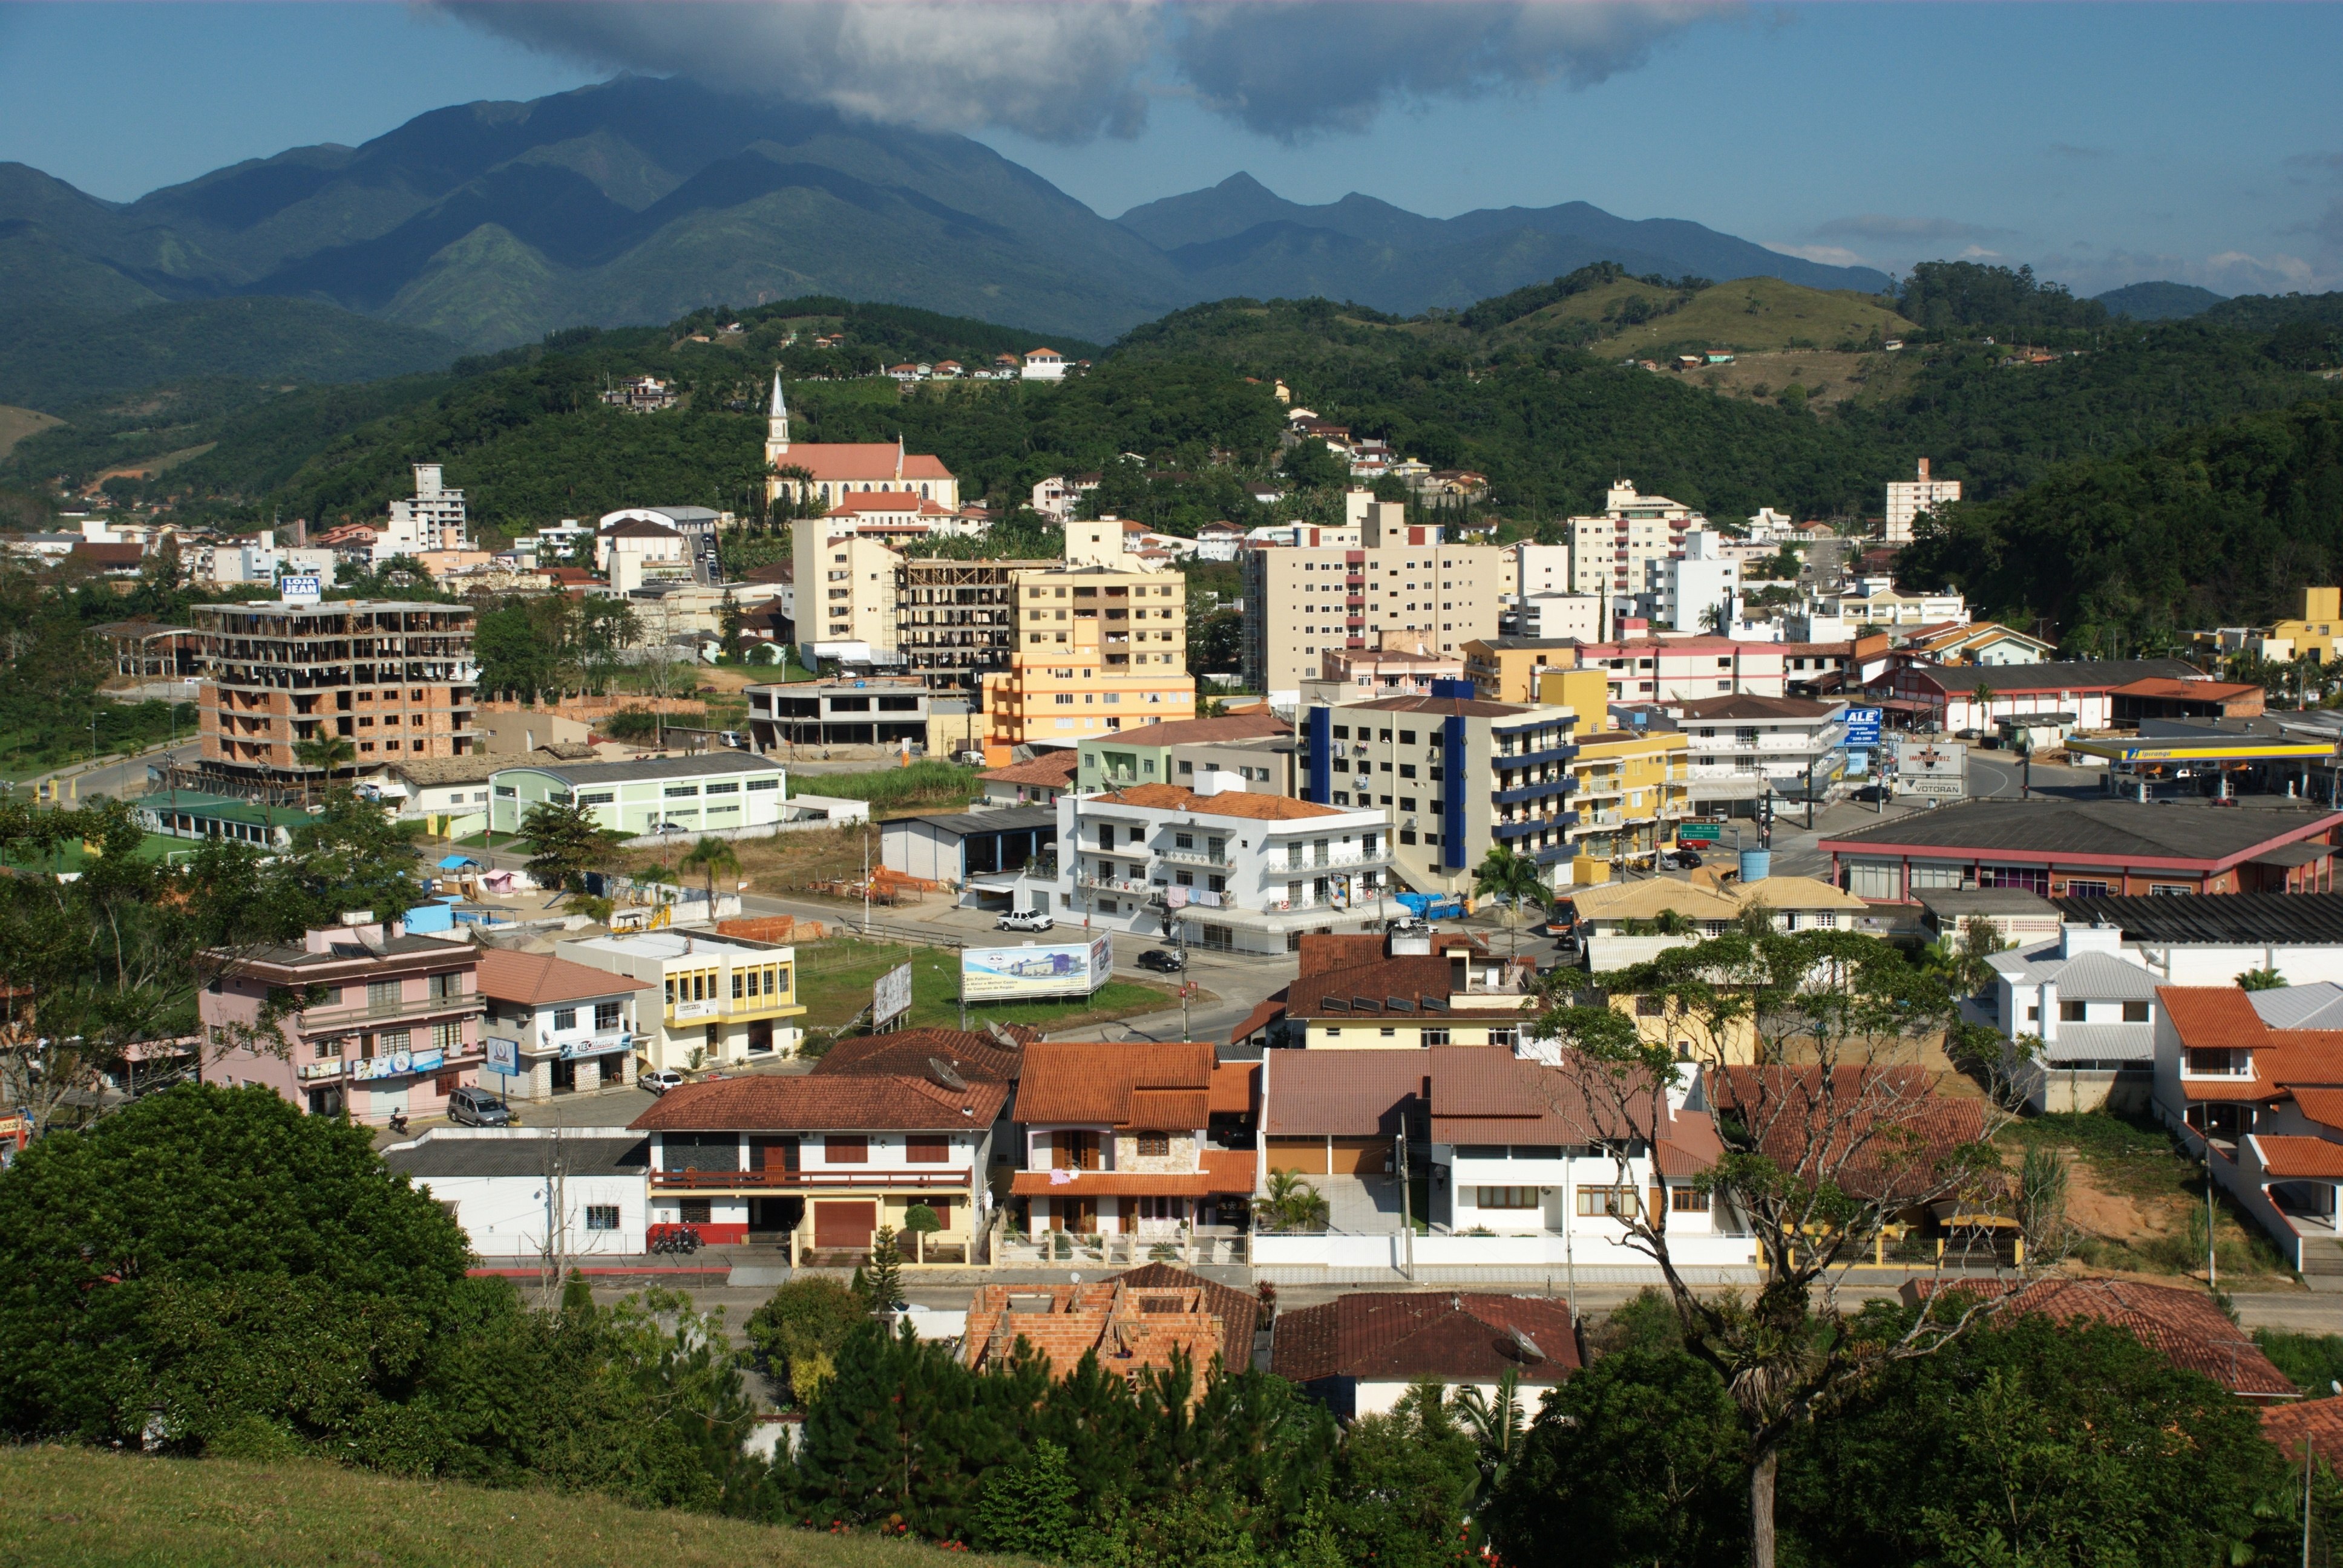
(956, 620)
(390, 679)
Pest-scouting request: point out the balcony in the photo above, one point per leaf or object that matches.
(1542, 790)
(1115, 884)
(1329, 862)
(324, 1019)
(707, 1180)
(1194, 857)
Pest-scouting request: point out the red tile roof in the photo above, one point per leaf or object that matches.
(2300, 1158)
(2213, 1016)
(2301, 1061)
(840, 461)
(1053, 769)
(1342, 1093)
(908, 1051)
(1227, 803)
(1260, 1018)
(845, 1102)
(1878, 1132)
(2319, 1422)
(2324, 1106)
(1070, 1082)
(2185, 1325)
(1236, 1088)
(1395, 1336)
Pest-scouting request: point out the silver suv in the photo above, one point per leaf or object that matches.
(477, 1108)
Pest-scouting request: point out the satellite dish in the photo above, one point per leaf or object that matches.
(941, 1071)
(1525, 1346)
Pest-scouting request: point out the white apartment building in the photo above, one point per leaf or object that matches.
(1548, 615)
(1876, 601)
(1704, 578)
(846, 590)
(1680, 669)
(1218, 866)
(1741, 748)
(1541, 570)
(1307, 601)
(432, 520)
(1614, 553)
(713, 999)
(1907, 498)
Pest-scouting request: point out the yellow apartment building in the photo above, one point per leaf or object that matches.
(1054, 696)
(2321, 623)
(1630, 787)
(1508, 668)
(1136, 620)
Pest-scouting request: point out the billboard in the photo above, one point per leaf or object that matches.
(891, 996)
(1009, 974)
(1863, 728)
(308, 589)
(1934, 769)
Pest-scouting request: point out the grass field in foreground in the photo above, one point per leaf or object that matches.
(76, 1508)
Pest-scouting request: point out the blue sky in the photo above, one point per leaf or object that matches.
(2102, 143)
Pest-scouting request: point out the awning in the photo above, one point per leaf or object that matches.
(2293, 855)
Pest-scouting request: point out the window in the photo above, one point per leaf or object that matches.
(601, 1216)
(1687, 1200)
(679, 791)
(597, 797)
(1507, 1197)
(1607, 1203)
(697, 1210)
(1650, 1007)
(448, 1037)
(2135, 1012)
(840, 1148)
(606, 1015)
(2073, 1013)
(326, 1047)
(2170, 889)
(755, 784)
(382, 994)
(1153, 1145)
(927, 1147)
(2086, 890)
(565, 1018)
(2216, 1062)
(1433, 1037)
(506, 792)
(732, 788)
(670, 990)
(739, 984)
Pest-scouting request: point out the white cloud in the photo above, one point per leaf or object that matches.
(1904, 231)
(1075, 69)
(1828, 254)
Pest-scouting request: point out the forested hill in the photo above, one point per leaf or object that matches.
(1544, 391)
(2215, 526)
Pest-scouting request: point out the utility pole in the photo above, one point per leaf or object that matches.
(866, 880)
(1406, 1206)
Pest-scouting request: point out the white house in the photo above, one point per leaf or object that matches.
(553, 1027)
(1216, 864)
(1043, 365)
(512, 1189)
(2093, 1006)
(714, 1000)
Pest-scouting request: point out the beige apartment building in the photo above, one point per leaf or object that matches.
(847, 588)
(956, 620)
(1303, 603)
(1615, 553)
(1140, 616)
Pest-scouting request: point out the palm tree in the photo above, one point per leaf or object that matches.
(1290, 1203)
(1497, 1425)
(1983, 697)
(324, 751)
(1513, 879)
(714, 858)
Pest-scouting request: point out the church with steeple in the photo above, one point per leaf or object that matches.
(833, 470)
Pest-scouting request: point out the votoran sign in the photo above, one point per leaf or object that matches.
(1011, 974)
(1933, 770)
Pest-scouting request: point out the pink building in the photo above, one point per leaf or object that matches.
(393, 1022)
(1402, 665)
(1678, 668)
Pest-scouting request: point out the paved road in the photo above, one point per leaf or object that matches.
(115, 777)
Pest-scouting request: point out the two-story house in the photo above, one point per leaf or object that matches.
(1414, 997)
(1742, 746)
(361, 1018)
(1220, 865)
(719, 999)
(2092, 1005)
(553, 1027)
(2262, 1099)
(822, 1162)
(1119, 1139)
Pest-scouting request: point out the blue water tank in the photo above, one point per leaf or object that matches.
(1757, 865)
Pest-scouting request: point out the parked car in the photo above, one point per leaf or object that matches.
(1684, 860)
(1168, 961)
(734, 738)
(1024, 921)
(661, 1082)
(670, 828)
(477, 1108)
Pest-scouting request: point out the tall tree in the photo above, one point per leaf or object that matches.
(1812, 1047)
(565, 842)
(1513, 880)
(713, 857)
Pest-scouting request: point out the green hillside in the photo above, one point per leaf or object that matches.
(1750, 315)
(54, 360)
(78, 1508)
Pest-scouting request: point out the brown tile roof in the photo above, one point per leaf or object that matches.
(1395, 1336)
(1348, 950)
(1054, 769)
(846, 1102)
(1388, 987)
(1260, 1018)
(906, 1052)
(1229, 803)
(1236, 1088)
(1223, 1172)
(1342, 1093)
(537, 978)
(1200, 731)
(2300, 1158)
(1483, 1095)
(1460, 707)
(1082, 1083)
(2318, 1422)
(1745, 705)
(2185, 1325)
(1878, 1132)
(1130, 1329)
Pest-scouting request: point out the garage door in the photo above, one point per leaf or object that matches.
(840, 1225)
(1307, 1155)
(1362, 1156)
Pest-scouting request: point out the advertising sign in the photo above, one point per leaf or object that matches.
(504, 1056)
(298, 589)
(1935, 769)
(891, 996)
(1699, 833)
(1863, 728)
(686, 1011)
(1010, 974)
(397, 1064)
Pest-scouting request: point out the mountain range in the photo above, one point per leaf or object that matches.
(641, 198)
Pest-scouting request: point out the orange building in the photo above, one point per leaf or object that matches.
(1062, 696)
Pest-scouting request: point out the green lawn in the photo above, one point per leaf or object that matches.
(71, 857)
(926, 785)
(78, 1508)
(835, 978)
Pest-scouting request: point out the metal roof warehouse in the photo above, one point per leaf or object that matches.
(711, 792)
(2067, 849)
